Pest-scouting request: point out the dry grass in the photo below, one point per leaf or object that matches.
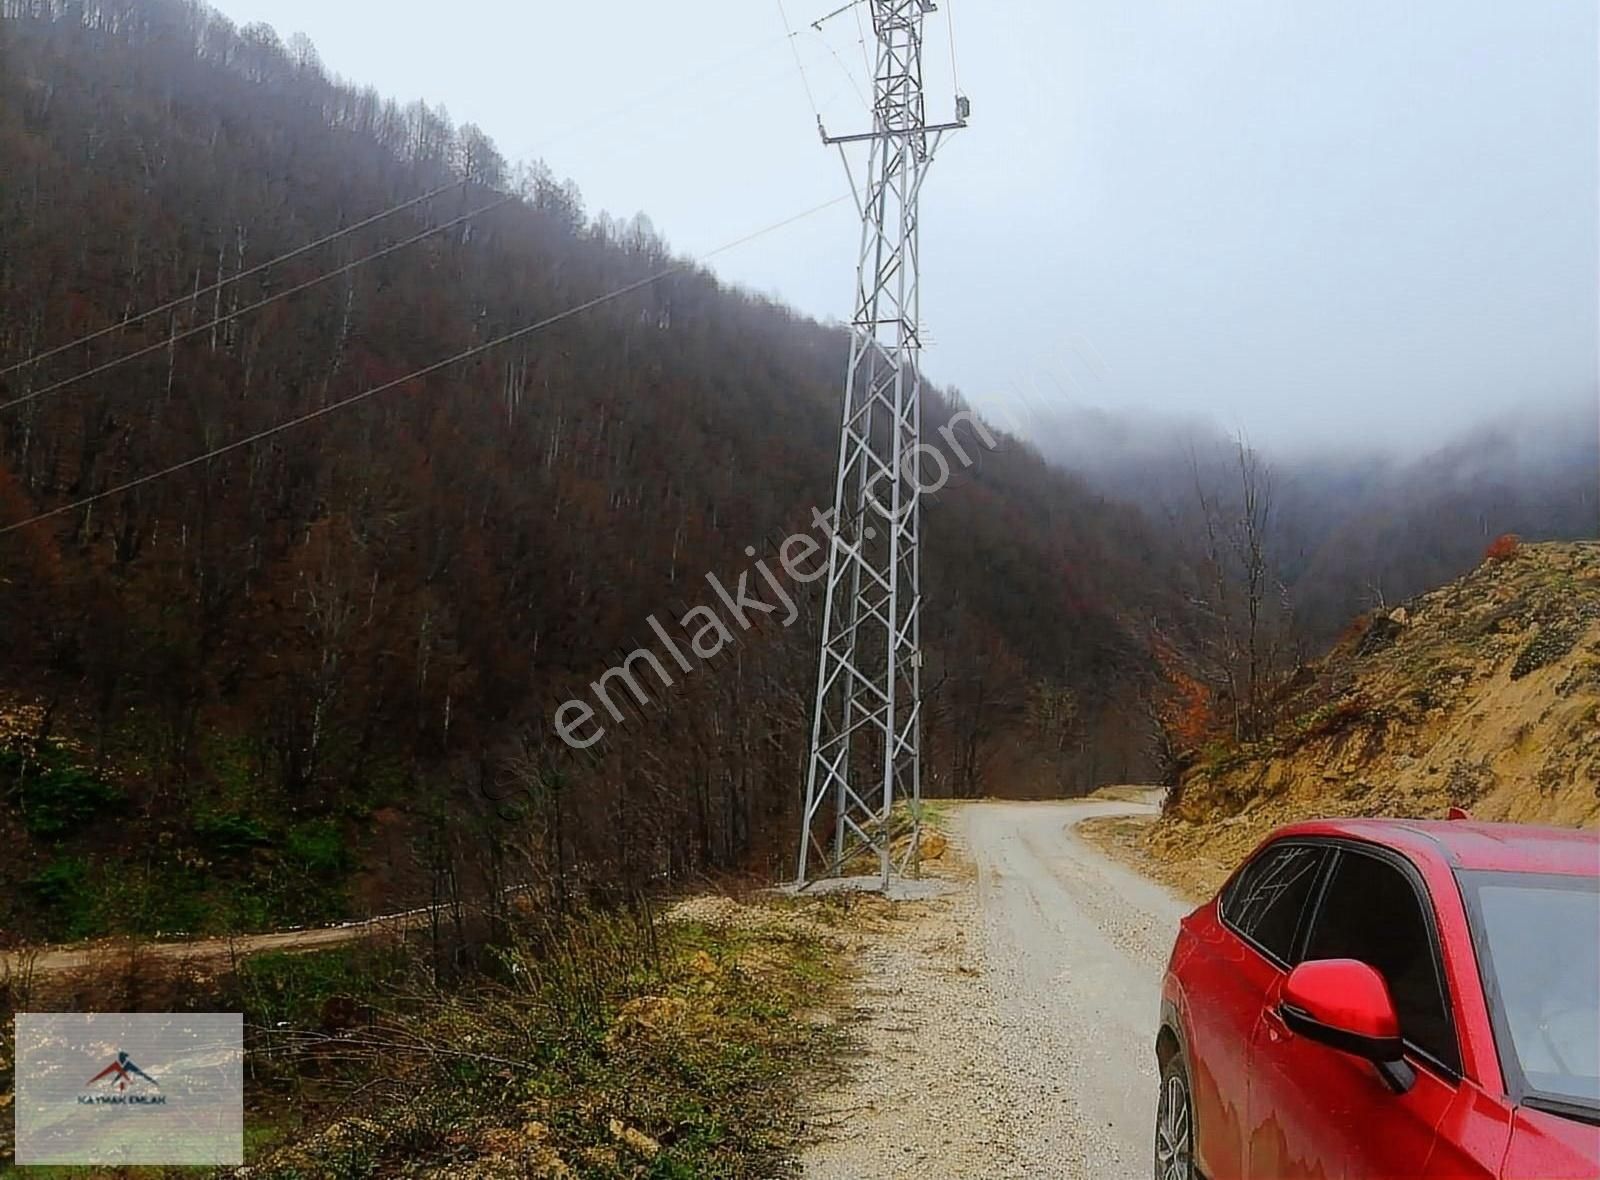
(1131, 794)
(623, 1050)
(610, 1046)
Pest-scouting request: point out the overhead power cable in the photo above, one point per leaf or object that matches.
(950, 23)
(438, 366)
(653, 97)
(799, 65)
(231, 279)
(169, 340)
(854, 6)
(840, 11)
(861, 40)
(845, 70)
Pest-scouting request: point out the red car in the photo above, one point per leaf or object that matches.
(1374, 998)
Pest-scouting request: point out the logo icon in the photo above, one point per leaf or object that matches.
(115, 1077)
(122, 1069)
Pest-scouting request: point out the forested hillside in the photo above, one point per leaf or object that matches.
(317, 674)
(1350, 529)
(1535, 474)
(1279, 555)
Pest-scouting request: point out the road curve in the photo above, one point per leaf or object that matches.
(1007, 1030)
(1075, 944)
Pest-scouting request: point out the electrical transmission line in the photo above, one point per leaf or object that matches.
(201, 292)
(427, 371)
(169, 340)
(866, 724)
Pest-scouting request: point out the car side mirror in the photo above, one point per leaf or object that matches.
(1346, 1005)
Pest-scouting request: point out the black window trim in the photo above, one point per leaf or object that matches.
(1346, 846)
(1302, 921)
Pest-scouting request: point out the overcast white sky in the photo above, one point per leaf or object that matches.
(1318, 221)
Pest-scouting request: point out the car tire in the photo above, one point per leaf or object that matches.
(1174, 1157)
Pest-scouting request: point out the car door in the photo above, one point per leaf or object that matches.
(1317, 1112)
(1239, 960)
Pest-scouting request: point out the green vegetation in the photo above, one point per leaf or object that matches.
(1333, 718)
(611, 1047)
(60, 890)
(55, 796)
(299, 990)
(1552, 643)
(226, 870)
(603, 1047)
(1221, 757)
(299, 877)
(232, 835)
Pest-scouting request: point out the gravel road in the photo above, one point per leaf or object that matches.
(1009, 1028)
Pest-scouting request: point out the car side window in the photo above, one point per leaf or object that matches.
(1266, 902)
(1372, 912)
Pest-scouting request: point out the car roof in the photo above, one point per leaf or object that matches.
(1470, 845)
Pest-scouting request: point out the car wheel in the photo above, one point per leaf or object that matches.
(1175, 1123)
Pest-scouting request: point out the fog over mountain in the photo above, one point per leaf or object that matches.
(1342, 222)
(1353, 527)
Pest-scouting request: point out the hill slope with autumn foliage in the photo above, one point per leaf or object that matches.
(1483, 695)
(316, 676)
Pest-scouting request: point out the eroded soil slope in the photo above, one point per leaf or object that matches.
(1484, 695)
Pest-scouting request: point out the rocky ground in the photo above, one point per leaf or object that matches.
(1484, 695)
(1007, 1028)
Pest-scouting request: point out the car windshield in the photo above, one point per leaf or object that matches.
(1539, 942)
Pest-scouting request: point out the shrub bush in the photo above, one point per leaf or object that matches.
(317, 848)
(1553, 642)
(62, 892)
(1503, 548)
(230, 835)
(57, 796)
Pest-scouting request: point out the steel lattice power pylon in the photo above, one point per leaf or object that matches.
(865, 741)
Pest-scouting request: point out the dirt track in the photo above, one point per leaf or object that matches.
(51, 961)
(1011, 1032)
(1008, 1026)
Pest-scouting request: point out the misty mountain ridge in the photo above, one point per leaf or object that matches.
(1113, 447)
(1351, 528)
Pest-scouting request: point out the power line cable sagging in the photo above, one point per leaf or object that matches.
(260, 268)
(426, 371)
(950, 24)
(298, 288)
(799, 64)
